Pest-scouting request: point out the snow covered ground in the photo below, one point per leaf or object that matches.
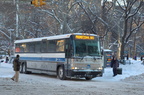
(131, 82)
(135, 68)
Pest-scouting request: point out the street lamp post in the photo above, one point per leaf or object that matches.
(16, 2)
(10, 45)
(17, 18)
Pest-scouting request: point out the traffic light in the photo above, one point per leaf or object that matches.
(38, 3)
(35, 3)
(42, 2)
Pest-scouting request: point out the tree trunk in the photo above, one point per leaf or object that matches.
(134, 46)
(124, 37)
(119, 47)
(122, 50)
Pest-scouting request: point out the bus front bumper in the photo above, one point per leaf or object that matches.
(86, 73)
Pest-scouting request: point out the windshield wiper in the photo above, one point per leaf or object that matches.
(83, 57)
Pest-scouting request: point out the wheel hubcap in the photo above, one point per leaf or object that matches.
(60, 72)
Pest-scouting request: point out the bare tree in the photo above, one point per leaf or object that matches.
(130, 9)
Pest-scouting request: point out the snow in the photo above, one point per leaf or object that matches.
(131, 82)
(135, 68)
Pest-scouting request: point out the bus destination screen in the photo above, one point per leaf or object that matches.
(84, 37)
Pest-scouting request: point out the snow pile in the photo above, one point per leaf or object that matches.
(134, 71)
(134, 78)
(130, 72)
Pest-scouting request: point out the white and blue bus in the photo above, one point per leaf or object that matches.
(76, 55)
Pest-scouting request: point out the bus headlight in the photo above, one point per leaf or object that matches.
(74, 67)
(100, 68)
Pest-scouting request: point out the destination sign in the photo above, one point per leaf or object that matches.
(84, 37)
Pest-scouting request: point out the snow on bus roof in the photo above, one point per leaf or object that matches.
(52, 37)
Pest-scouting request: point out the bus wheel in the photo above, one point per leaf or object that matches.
(61, 73)
(88, 78)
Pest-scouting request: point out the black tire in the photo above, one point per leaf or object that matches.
(61, 73)
(88, 78)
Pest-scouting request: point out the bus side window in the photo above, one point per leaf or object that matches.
(37, 46)
(60, 46)
(17, 48)
(51, 46)
(44, 46)
(22, 47)
(31, 47)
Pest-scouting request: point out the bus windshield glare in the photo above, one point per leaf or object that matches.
(88, 46)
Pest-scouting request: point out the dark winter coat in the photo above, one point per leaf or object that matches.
(114, 63)
(16, 64)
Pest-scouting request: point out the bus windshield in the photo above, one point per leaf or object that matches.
(85, 47)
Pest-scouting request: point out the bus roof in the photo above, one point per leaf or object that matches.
(51, 37)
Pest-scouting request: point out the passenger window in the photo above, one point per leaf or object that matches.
(60, 46)
(31, 47)
(52, 46)
(37, 46)
(17, 48)
(23, 48)
(44, 46)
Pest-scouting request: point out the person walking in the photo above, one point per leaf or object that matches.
(127, 57)
(114, 65)
(16, 68)
(135, 57)
(141, 58)
(7, 59)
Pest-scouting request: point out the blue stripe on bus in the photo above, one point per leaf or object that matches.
(42, 59)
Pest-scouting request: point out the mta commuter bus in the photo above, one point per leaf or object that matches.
(76, 55)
